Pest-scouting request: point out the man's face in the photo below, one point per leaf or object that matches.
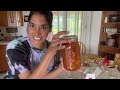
(38, 30)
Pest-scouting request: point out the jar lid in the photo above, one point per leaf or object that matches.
(71, 37)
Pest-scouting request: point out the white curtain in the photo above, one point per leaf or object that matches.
(77, 22)
(86, 29)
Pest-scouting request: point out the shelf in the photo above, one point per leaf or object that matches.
(118, 33)
(106, 33)
(109, 49)
(112, 23)
(105, 50)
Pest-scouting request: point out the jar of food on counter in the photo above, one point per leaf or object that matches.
(71, 54)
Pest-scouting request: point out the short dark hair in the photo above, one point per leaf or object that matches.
(48, 15)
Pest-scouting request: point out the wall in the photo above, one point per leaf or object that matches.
(95, 31)
(91, 30)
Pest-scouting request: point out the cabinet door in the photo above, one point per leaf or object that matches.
(15, 18)
(11, 18)
(3, 61)
(20, 20)
(3, 18)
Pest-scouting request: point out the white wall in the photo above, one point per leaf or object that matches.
(95, 31)
(91, 30)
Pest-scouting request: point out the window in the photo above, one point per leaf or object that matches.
(67, 20)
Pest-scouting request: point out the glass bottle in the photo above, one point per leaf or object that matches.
(71, 54)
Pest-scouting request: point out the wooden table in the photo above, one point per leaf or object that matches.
(79, 75)
(89, 56)
(108, 73)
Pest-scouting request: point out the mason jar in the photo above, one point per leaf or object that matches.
(71, 54)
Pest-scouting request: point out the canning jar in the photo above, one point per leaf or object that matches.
(71, 54)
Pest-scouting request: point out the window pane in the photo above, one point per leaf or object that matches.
(71, 22)
(67, 20)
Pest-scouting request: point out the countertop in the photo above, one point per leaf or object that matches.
(4, 42)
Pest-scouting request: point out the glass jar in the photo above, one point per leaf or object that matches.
(71, 54)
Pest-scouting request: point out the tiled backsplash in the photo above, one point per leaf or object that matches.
(11, 30)
(16, 31)
(8, 34)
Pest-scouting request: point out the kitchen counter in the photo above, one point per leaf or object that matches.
(4, 42)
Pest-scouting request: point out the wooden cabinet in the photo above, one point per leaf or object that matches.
(3, 61)
(11, 18)
(104, 48)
